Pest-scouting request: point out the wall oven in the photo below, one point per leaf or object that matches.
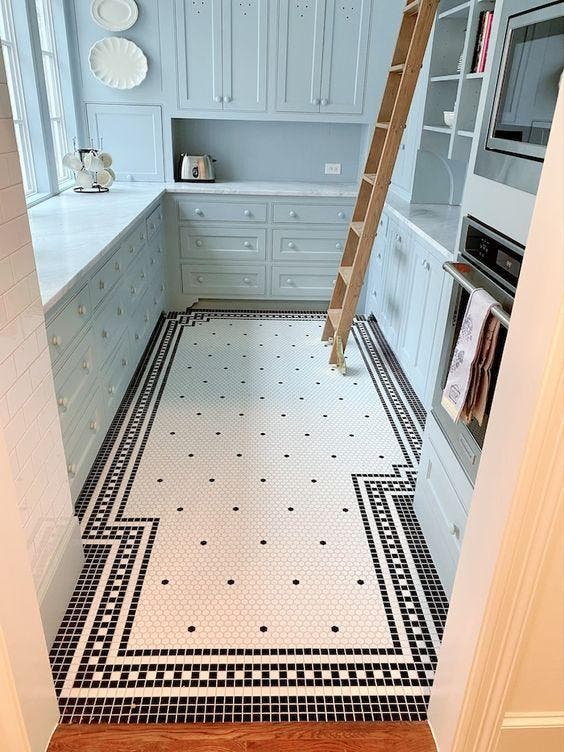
(490, 261)
(527, 67)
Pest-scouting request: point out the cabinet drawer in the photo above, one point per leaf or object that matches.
(221, 211)
(134, 243)
(215, 244)
(67, 324)
(140, 323)
(109, 325)
(73, 383)
(154, 221)
(307, 245)
(105, 278)
(137, 280)
(219, 280)
(82, 444)
(115, 375)
(303, 283)
(321, 213)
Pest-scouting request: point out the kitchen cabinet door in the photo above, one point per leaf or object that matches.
(420, 321)
(345, 43)
(376, 271)
(397, 267)
(199, 54)
(300, 47)
(244, 54)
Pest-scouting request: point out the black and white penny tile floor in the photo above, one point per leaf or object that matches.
(251, 548)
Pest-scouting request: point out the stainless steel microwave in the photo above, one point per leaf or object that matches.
(527, 65)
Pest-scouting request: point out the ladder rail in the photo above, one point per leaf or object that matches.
(417, 21)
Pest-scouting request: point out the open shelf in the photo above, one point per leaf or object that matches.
(465, 134)
(450, 77)
(459, 10)
(437, 129)
(474, 76)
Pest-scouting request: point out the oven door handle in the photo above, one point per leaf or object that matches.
(456, 270)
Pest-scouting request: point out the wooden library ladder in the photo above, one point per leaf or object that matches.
(411, 44)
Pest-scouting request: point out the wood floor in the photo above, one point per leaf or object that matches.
(251, 737)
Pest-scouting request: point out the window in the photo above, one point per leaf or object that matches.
(17, 98)
(52, 68)
(34, 42)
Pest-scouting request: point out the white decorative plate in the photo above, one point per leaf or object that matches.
(117, 62)
(114, 15)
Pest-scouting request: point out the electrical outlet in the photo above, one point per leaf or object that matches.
(332, 168)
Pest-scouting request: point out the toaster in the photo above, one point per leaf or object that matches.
(193, 169)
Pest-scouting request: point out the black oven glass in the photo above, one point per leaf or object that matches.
(534, 63)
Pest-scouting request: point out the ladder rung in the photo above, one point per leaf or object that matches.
(397, 68)
(385, 126)
(369, 177)
(357, 227)
(334, 314)
(346, 272)
(411, 8)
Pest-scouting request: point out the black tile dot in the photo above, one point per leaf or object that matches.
(334, 629)
(212, 480)
(172, 433)
(322, 543)
(190, 455)
(360, 582)
(203, 543)
(295, 582)
(235, 509)
(263, 543)
(230, 582)
(239, 454)
(164, 582)
(264, 629)
(191, 629)
(314, 480)
(286, 455)
(290, 509)
(179, 509)
(345, 509)
(263, 480)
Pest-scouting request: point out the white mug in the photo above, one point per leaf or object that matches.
(73, 162)
(92, 162)
(104, 178)
(84, 179)
(106, 158)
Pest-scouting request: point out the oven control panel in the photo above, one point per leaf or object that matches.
(499, 256)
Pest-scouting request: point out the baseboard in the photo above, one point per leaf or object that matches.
(533, 720)
(523, 732)
(56, 587)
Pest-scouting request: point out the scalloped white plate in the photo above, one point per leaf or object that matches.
(118, 63)
(114, 15)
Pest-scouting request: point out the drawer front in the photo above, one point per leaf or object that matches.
(105, 278)
(67, 324)
(109, 325)
(74, 382)
(82, 444)
(114, 377)
(321, 213)
(137, 280)
(141, 323)
(307, 245)
(154, 221)
(221, 211)
(134, 243)
(240, 281)
(303, 283)
(214, 244)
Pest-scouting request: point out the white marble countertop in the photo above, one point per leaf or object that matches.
(72, 232)
(435, 223)
(270, 188)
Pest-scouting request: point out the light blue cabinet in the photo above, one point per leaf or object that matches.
(321, 64)
(396, 273)
(222, 48)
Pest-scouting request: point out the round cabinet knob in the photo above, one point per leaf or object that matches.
(142, 236)
(111, 389)
(105, 334)
(341, 215)
(292, 214)
(227, 100)
(142, 275)
(338, 246)
(124, 362)
(217, 99)
(117, 266)
(151, 226)
(199, 243)
(247, 213)
(427, 265)
(454, 530)
(71, 469)
(85, 365)
(119, 311)
(200, 279)
(246, 280)
(131, 248)
(246, 244)
(289, 281)
(133, 290)
(63, 402)
(162, 288)
(199, 212)
(159, 216)
(379, 255)
(146, 317)
(291, 245)
(81, 310)
(56, 340)
(136, 335)
(398, 237)
(333, 281)
(315, 101)
(152, 261)
(324, 102)
(102, 284)
(93, 426)
(403, 147)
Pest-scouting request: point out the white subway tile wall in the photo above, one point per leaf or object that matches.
(28, 412)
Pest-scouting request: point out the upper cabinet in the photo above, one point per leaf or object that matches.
(321, 63)
(222, 48)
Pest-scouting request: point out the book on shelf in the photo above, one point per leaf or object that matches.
(480, 55)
